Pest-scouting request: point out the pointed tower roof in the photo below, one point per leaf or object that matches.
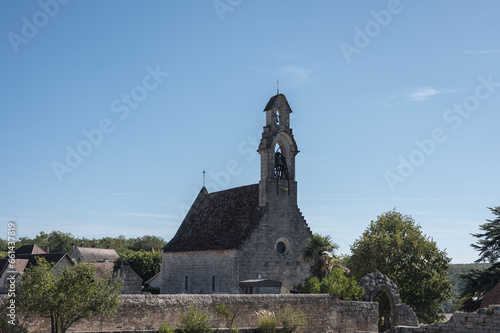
(276, 101)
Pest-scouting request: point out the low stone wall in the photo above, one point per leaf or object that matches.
(482, 321)
(324, 313)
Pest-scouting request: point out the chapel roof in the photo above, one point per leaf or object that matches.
(218, 221)
(274, 100)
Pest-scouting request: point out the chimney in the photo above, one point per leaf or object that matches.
(47, 249)
(72, 247)
(107, 247)
(93, 246)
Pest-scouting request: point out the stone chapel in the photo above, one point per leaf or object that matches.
(247, 239)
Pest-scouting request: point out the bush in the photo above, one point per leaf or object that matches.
(6, 327)
(229, 314)
(194, 320)
(165, 328)
(346, 288)
(292, 320)
(266, 321)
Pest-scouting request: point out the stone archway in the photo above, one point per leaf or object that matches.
(401, 314)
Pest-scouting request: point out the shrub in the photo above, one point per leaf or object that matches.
(6, 327)
(336, 283)
(266, 321)
(292, 320)
(194, 320)
(165, 328)
(229, 314)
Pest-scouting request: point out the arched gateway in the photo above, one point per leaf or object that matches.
(401, 314)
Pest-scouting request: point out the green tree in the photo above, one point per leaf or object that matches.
(66, 295)
(229, 314)
(346, 288)
(479, 282)
(146, 242)
(395, 246)
(319, 251)
(144, 263)
(292, 320)
(59, 241)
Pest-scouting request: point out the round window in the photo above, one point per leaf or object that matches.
(281, 247)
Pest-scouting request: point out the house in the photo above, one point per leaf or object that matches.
(92, 254)
(492, 297)
(154, 282)
(246, 235)
(103, 261)
(25, 257)
(132, 282)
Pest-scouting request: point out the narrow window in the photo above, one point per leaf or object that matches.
(213, 283)
(186, 280)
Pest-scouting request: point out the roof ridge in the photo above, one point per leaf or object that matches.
(233, 188)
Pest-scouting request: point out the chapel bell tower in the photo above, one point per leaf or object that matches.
(277, 151)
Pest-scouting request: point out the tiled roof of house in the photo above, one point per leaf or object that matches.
(91, 254)
(218, 221)
(22, 261)
(52, 258)
(29, 249)
(157, 276)
(492, 297)
(103, 269)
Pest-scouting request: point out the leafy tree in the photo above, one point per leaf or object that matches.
(454, 273)
(66, 295)
(337, 283)
(146, 264)
(479, 282)
(292, 320)
(319, 250)
(60, 242)
(395, 246)
(146, 242)
(229, 314)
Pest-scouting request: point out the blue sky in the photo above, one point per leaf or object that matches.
(395, 105)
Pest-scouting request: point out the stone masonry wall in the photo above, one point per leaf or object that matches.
(282, 221)
(324, 313)
(259, 256)
(482, 321)
(200, 267)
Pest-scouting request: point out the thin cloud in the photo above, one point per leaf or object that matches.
(422, 94)
(297, 76)
(481, 51)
